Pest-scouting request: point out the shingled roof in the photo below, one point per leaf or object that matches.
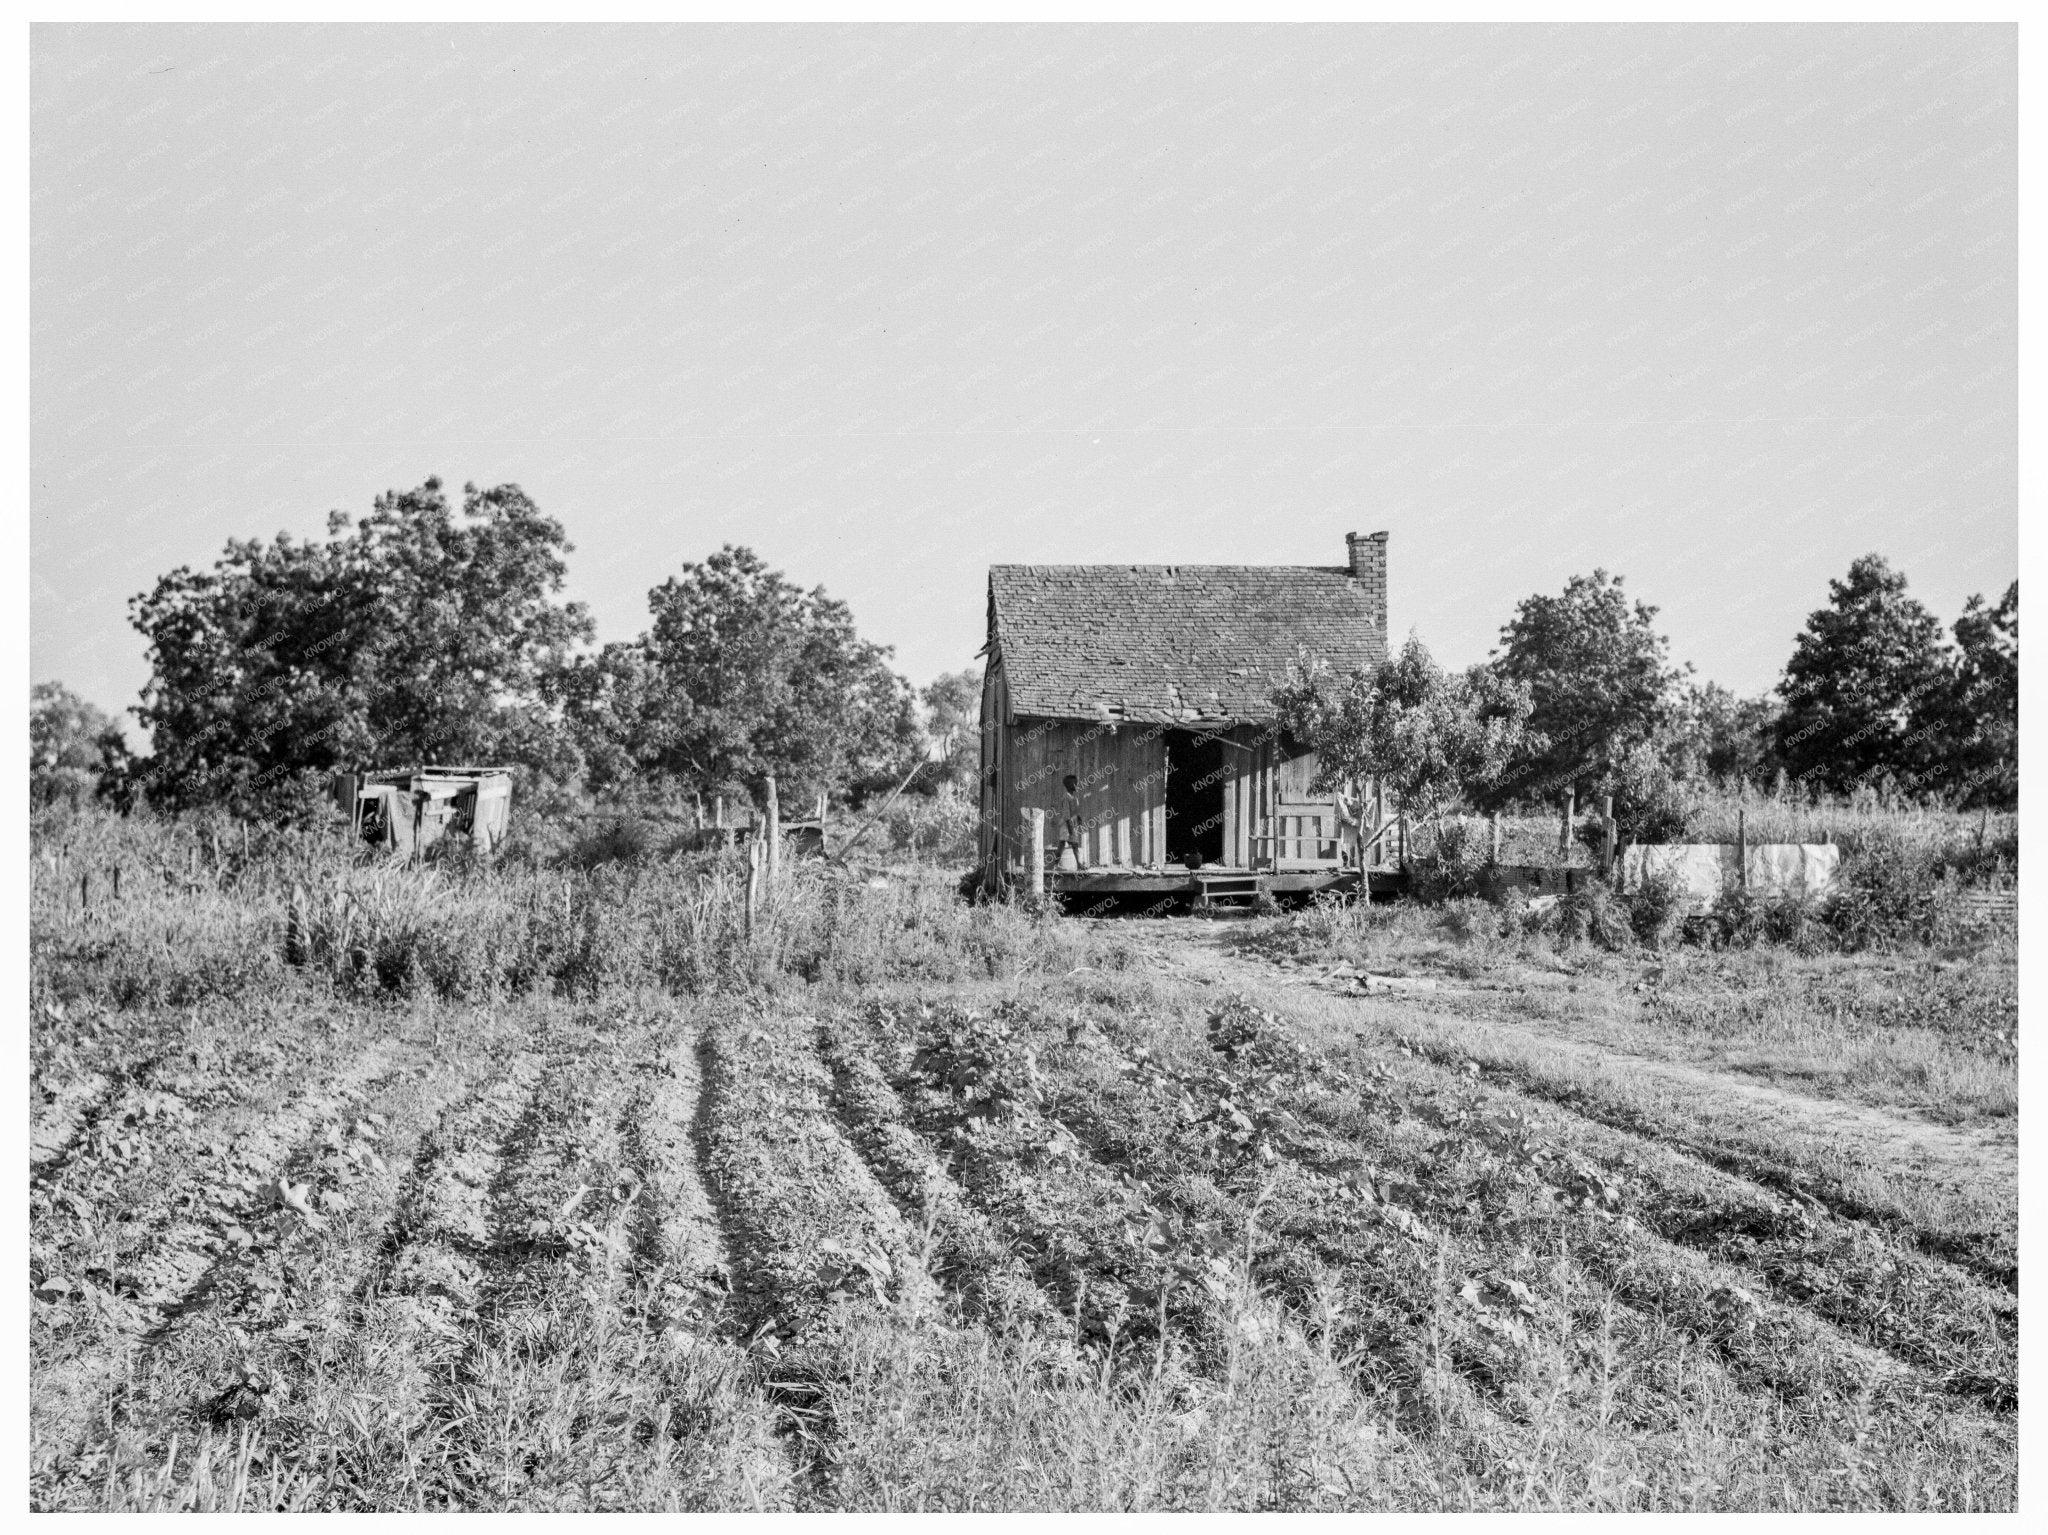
(1174, 641)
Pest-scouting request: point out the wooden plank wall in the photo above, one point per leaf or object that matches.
(995, 710)
(1245, 792)
(1271, 771)
(1122, 787)
(1123, 794)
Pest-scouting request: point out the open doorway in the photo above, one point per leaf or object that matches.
(1196, 778)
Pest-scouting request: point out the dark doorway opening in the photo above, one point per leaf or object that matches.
(1195, 781)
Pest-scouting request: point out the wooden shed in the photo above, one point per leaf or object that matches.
(1132, 705)
(408, 810)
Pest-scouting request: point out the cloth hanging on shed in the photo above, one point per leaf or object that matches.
(387, 817)
(1701, 870)
(1804, 869)
(1704, 870)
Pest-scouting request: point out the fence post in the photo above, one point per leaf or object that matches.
(753, 883)
(1607, 836)
(117, 882)
(1401, 833)
(1741, 849)
(1379, 824)
(85, 893)
(1564, 827)
(1493, 837)
(1035, 820)
(774, 834)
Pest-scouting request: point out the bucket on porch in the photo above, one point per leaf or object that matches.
(1068, 863)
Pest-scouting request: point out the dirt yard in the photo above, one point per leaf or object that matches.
(1198, 1215)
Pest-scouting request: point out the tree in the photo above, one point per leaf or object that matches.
(1600, 681)
(952, 703)
(741, 674)
(1867, 687)
(1981, 727)
(607, 702)
(421, 634)
(74, 748)
(1716, 735)
(1433, 739)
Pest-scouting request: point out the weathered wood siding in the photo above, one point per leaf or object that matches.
(1268, 771)
(1121, 774)
(1121, 787)
(995, 712)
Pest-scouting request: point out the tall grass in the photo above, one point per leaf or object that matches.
(195, 917)
(1908, 873)
(1974, 841)
(1983, 845)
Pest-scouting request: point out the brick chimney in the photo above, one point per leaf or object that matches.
(1369, 569)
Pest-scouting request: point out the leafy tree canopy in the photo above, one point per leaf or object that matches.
(74, 747)
(1982, 728)
(1716, 735)
(423, 633)
(1867, 686)
(742, 673)
(1433, 739)
(1600, 681)
(952, 704)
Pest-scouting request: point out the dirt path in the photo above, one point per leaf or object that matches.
(1892, 1140)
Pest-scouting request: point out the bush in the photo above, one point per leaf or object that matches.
(1740, 918)
(1656, 907)
(941, 826)
(625, 840)
(1479, 920)
(1593, 913)
(1459, 863)
(1796, 922)
(1885, 891)
(1650, 802)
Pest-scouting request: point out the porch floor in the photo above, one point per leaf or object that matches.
(1175, 879)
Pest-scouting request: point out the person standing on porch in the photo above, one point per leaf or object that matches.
(1072, 833)
(1351, 826)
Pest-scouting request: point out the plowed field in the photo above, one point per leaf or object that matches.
(1177, 1235)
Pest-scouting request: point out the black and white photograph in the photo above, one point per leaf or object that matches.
(1227, 764)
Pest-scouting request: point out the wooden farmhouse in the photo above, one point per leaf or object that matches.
(1131, 706)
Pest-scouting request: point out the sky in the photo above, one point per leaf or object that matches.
(1715, 308)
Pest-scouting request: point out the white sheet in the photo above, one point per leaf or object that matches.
(1705, 869)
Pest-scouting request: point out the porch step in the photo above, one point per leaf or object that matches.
(1226, 889)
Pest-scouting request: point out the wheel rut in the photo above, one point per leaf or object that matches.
(680, 1249)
